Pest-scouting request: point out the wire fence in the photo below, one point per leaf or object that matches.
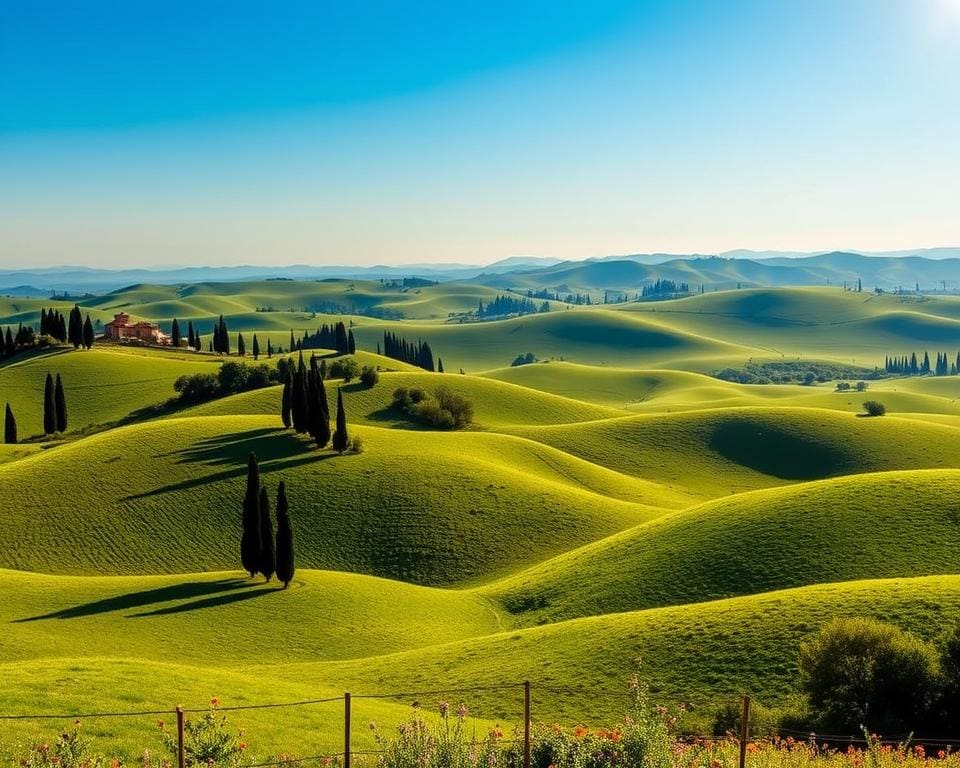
(524, 734)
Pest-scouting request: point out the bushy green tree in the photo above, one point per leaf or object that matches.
(863, 673)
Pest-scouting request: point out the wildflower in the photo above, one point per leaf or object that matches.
(580, 731)
(325, 761)
(160, 724)
(214, 702)
(115, 763)
(242, 745)
(444, 708)
(416, 705)
(462, 711)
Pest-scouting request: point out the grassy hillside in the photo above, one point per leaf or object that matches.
(101, 384)
(433, 509)
(728, 450)
(879, 525)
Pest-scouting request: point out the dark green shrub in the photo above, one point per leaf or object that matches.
(862, 672)
(369, 376)
(874, 408)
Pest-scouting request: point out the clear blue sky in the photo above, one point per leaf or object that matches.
(241, 132)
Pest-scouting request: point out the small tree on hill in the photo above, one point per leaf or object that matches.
(250, 541)
(49, 407)
(341, 440)
(285, 559)
(874, 408)
(9, 427)
(87, 333)
(61, 401)
(268, 555)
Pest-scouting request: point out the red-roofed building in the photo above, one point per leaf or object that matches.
(121, 329)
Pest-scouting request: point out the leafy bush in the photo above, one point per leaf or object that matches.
(862, 672)
(526, 359)
(874, 408)
(207, 741)
(369, 376)
(70, 750)
(843, 386)
(345, 368)
(356, 444)
(444, 409)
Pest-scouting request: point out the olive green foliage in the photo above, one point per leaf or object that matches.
(443, 408)
(864, 673)
(874, 408)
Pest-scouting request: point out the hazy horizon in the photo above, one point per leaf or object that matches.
(157, 135)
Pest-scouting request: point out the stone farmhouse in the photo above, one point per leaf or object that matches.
(121, 329)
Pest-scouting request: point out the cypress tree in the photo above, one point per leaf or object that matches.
(341, 341)
(439, 365)
(224, 337)
(75, 329)
(191, 341)
(9, 427)
(268, 555)
(49, 407)
(285, 399)
(241, 346)
(298, 400)
(351, 343)
(256, 347)
(61, 328)
(285, 560)
(61, 402)
(318, 416)
(269, 348)
(292, 342)
(250, 541)
(323, 369)
(175, 338)
(10, 346)
(87, 333)
(340, 438)
(44, 324)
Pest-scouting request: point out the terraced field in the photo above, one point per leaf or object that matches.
(613, 501)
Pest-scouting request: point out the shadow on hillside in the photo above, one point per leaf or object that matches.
(240, 470)
(146, 597)
(234, 448)
(210, 602)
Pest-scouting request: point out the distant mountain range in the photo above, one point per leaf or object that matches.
(935, 268)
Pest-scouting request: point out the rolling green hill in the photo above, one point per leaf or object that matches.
(441, 509)
(876, 525)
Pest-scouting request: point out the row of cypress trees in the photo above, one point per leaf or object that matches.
(260, 552)
(336, 336)
(913, 366)
(24, 338)
(54, 406)
(77, 330)
(303, 405)
(399, 348)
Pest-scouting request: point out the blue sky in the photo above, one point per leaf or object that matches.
(224, 133)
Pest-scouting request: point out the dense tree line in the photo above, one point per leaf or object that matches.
(399, 348)
(911, 365)
(17, 341)
(304, 406)
(53, 324)
(232, 378)
(503, 306)
(664, 287)
(336, 336)
(260, 551)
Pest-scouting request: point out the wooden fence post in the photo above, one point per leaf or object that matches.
(181, 760)
(346, 730)
(744, 731)
(526, 724)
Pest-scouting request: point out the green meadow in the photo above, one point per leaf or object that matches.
(614, 500)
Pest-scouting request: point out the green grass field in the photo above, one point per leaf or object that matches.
(613, 501)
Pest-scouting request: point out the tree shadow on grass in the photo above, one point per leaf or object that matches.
(240, 470)
(234, 448)
(209, 602)
(145, 597)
